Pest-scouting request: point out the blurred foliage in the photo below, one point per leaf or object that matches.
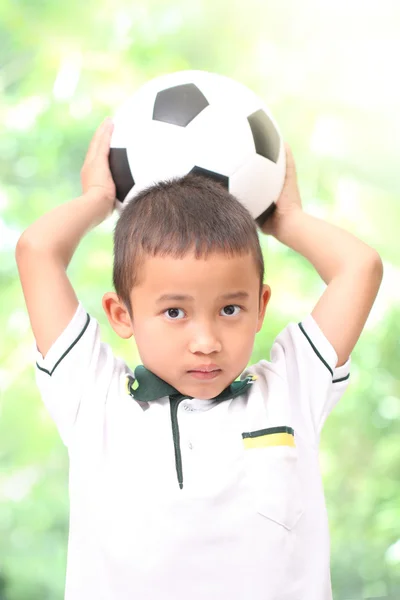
(326, 69)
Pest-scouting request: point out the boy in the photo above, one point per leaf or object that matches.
(184, 483)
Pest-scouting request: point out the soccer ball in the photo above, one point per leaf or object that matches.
(204, 123)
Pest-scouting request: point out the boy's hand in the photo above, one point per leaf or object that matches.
(96, 176)
(289, 200)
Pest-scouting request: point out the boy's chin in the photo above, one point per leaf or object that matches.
(204, 390)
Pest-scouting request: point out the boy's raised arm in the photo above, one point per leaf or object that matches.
(46, 247)
(351, 269)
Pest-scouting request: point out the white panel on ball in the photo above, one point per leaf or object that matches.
(219, 141)
(161, 155)
(258, 183)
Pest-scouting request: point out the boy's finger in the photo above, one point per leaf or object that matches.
(96, 140)
(105, 140)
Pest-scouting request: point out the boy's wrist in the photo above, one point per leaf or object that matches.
(101, 204)
(280, 223)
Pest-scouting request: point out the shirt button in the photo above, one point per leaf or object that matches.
(190, 445)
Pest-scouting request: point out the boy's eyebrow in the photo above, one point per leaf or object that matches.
(240, 295)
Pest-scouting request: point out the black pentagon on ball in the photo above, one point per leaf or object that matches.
(179, 105)
(223, 179)
(265, 136)
(121, 172)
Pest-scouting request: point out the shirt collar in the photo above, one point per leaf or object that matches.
(145, 386)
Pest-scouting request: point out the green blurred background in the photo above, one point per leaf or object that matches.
(329, 72)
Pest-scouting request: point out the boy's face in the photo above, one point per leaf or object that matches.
(190, 314)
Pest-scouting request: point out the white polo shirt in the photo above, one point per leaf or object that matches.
(174, 498)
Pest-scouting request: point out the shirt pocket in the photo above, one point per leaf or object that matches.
(271, 463)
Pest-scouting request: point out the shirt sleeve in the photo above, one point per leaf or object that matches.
(306, 359)
(77, 370)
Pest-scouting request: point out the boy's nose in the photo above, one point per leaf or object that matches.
(204, 340)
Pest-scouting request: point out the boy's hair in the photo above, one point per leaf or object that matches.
(172, 218)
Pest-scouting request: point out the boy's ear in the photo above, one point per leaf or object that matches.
(117, 314)
(265, 298)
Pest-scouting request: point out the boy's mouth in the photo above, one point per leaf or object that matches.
(205, 372)
(200, 374)
(205, 368)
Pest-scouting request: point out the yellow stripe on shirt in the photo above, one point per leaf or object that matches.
(274, 439)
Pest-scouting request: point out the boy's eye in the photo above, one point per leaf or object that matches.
(172, 313)
(230, 308)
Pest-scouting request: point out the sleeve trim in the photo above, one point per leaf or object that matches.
(341, 379)
(315, 349)
(68, 349)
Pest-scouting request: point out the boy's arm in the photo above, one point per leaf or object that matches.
(46, 247)
(351, 269)
(43, 253)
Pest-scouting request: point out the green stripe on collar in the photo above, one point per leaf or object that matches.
(146, 386)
